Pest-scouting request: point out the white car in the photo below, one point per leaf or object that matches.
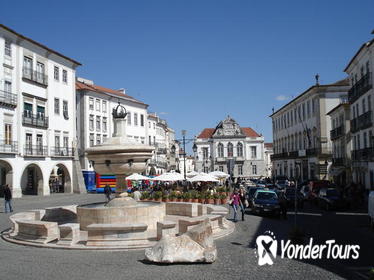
(371, 208)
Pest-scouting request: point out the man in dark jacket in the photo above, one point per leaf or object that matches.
(8, 199)
(107, 191)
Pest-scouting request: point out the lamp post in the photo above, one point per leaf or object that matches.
(184, 141)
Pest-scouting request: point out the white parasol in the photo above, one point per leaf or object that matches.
(136, 177)
(203, 177)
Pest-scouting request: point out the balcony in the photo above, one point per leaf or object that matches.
(365, 154)
(8, 147)
(8, 99)
(319, 152)
(338, 161)
(38, 120)
(35, 76)
(35, 151)
(61, 152)
(360, 88)
(337, 132)
(285, 155)
(361, 122)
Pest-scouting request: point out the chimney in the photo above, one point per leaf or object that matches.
(122, 90)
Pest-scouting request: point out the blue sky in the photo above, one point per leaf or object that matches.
(195, 62)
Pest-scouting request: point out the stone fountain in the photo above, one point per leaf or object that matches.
(123, 223)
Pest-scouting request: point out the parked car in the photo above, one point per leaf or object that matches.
(289, 194)
(282, 184)
(261, 183)
(265, 202)
(371, 208)
(330, 198)
(251, 191)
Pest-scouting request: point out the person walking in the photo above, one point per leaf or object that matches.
(107, 191)
(283, 205)
(243, 202)
(8, 199)
(235, 203)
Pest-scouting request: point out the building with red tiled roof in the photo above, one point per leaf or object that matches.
(231, 149)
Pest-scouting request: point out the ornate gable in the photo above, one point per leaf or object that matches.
(228, 128)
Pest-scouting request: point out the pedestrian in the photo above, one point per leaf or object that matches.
(137, 194)
(283, 205)
(8, 199)
(107, 192)
(243, 201)
(235, 198)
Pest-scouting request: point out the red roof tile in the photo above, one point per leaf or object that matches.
(249, 132)
(100, 89)
(268, 145)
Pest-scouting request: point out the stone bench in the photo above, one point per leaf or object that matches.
(166, 228)
(115, 234)
(182, 209)
(215, 220)
(37, 231)
(69, 234)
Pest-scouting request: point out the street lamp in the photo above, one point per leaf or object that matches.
(184, 141)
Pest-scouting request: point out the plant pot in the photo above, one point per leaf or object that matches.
(179, 199)
(158, 199)
(209, 201)
(201, 200)
(195, 200)
(165, 200)
(173, 199)
(224, 200)
(217, 201)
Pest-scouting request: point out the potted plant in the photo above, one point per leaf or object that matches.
(144, 196)
(223, 198)
(179, 197)
(165, 197)
(209, 198)
(187, 197)
(195, 196)
(157, 196)
(173, 196)
(217, 199)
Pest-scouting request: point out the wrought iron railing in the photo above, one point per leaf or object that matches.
(61, 152)
(35, 150)
(361, 122)
(7, 146)
(360, 88)
(337, 132)
(8, 98)
(35, 76)
(37, 120)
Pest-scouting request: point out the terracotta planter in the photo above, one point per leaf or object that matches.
(165, 200)
(187, 200)
(195, 200)
(224, 200)
(179, 199)
(173, 199)
(217, 201)
(201, 200)
(158, 199)
(209, 201)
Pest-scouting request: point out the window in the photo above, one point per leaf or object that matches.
(28, 143)
(230, 150)
(220, 150)
(27, 67)
(98, 123)
(65, 109)
(365, 140)
(7, 49)
(64, 76)
(40, 112)
(308, 108)
(303, 109)
(369, 102)
(57, 106)
(104, 137)
(370, 139)
(129, 118)
(98, 105)
(239, 149)
(66, 141)
(57, 142)
(254, 169)
(205, 153)
(154, 140)
(135, 119)
(8, 87)
(363, 105)
(92, 141)
(91, 122)
(142, 140)
(220, 168)
(240, 169)
(104, 124)
(91, 103)
(8, 134)
(27, 110)
(98, 139)
(39, 143)
(104, 106)
(142, 120)
(149, 140)
(253, 152)
(40, 69)
(149, 124)
(56, 73)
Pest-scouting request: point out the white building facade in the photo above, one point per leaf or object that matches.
(268, 152)
(301, 132)
(229, 146)
(37, 116)
(360, 71)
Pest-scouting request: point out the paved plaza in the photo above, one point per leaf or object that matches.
(236, 256)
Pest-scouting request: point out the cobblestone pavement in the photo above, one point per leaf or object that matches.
(236, 253)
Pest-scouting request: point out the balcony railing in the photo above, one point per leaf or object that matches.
(61, 152)
(10, 147)
(35, 76)
(361, 122)
(363, 154)
(38, 120)
(360, 88)
(337, 132)
(8, 98)
(36, 150)
(321, 151)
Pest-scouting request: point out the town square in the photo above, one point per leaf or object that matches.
(187, 140)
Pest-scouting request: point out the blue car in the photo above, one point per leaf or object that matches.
(265, 202)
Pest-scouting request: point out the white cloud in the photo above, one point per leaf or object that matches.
(281, 98)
